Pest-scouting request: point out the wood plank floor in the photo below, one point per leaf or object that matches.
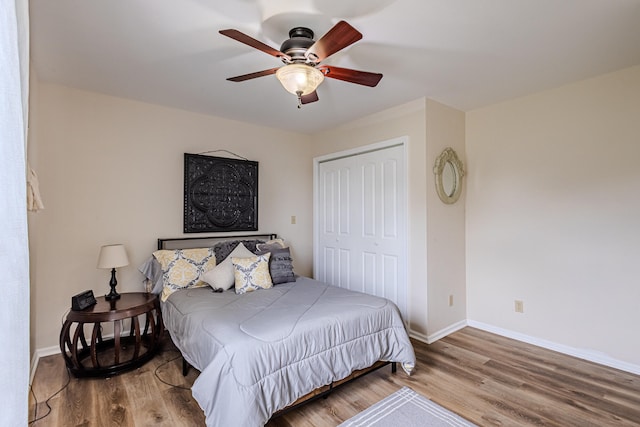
(487, 379)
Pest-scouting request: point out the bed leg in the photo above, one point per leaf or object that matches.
(185, 367)
(394, 368)
(326, 393)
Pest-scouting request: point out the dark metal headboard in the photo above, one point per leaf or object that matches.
(207, 241)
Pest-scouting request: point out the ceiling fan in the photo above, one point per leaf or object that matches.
(303, 72)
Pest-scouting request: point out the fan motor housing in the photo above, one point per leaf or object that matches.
(300, 40)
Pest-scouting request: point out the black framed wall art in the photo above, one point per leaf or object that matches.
(220, 194)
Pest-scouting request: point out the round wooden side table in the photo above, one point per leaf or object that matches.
(106, 357)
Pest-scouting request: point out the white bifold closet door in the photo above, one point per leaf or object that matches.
(361, 223)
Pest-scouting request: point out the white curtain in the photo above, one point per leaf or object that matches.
(14, 249)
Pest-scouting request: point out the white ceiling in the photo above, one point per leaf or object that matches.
(463, 53)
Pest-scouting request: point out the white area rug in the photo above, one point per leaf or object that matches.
(406, 408)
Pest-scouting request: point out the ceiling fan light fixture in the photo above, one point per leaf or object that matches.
(299, 79)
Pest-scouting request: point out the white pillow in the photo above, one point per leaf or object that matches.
(222, 276)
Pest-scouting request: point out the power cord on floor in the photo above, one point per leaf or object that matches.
(49, 409)
(46, 402)
(166, 363)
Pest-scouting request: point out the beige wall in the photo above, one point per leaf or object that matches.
(430, 127)
(553, 215)
(111, 171)
(445, 225)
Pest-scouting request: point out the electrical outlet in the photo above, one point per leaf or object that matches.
(519, 305)
(450, 300)
(293, 219)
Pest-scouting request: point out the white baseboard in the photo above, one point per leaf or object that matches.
(431, 338)
(446, 331)
(591, 356)
(37, 355)
(418, 336)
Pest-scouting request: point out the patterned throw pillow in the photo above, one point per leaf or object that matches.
(182, 268)
(252, 273)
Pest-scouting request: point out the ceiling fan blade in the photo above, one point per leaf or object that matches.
(337, 38)
(250, 41)
(312, 97)
(364, 78)
(253, 75)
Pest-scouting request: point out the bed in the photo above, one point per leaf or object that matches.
(261, 352)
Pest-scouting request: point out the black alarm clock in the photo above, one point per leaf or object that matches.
(82, 300)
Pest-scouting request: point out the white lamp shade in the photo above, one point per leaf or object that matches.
(300, 79)
(112, 256)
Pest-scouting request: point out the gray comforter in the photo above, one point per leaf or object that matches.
(259, 352)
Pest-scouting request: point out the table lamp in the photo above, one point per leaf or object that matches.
(112, 256)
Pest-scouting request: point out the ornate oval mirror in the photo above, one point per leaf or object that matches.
(449, 171)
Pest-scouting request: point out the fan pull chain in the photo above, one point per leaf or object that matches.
(299, 93)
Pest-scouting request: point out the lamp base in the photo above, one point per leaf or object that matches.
(113, 295)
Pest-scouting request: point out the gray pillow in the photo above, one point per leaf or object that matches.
(223, 249)
(271, 245)
(280, 266)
